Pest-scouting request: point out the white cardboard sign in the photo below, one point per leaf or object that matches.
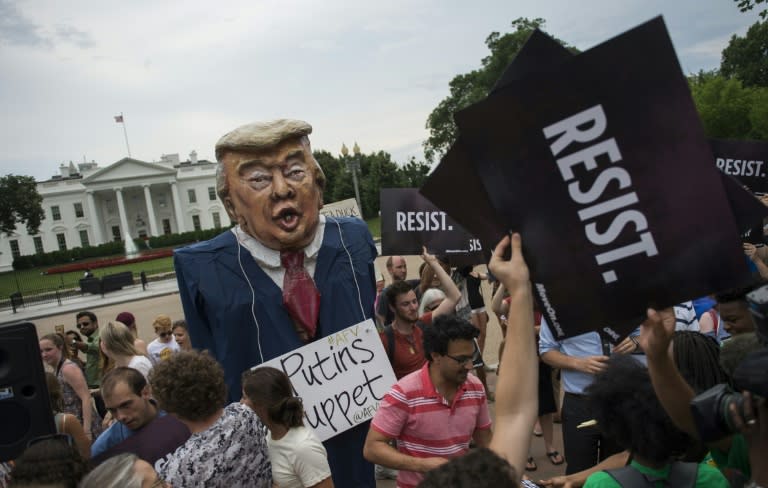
(341, 378)
(342, 208)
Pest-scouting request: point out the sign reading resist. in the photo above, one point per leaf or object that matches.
(340, 378)
(744, 160)
(410, 221)
(597, 150)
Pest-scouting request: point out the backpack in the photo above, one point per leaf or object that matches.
(681, 475)
(389, 332)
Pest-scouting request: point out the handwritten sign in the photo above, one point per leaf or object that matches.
(342, 208)
(341, 378)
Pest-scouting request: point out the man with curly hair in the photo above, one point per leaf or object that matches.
(626, 409)
(434, 412)
(228, 444)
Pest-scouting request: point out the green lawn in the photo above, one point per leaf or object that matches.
(33, 280)
(374, 225)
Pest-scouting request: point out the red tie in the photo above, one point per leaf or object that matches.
(300, 296)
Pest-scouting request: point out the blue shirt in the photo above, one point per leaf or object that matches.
(588, 344)
(115, 434)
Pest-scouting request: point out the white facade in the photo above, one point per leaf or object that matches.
(129, 197)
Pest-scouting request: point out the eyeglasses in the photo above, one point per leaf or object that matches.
(463, 360)
(51, 437)
(83, 324)
(164, 334)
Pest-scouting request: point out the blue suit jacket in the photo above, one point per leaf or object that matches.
(217, 305)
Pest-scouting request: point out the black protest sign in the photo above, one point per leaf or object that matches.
(598, 151)
(744, 160)
(410, 221)
(748, 211)
(456, 175)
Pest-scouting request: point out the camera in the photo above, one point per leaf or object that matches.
(711, 409)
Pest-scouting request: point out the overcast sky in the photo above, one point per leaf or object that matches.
(185, 72)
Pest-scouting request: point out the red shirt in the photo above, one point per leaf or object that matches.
(409, 351)
(425, 424)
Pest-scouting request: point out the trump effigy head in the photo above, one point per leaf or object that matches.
(270, 183)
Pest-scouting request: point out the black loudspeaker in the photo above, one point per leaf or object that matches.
(25, 410)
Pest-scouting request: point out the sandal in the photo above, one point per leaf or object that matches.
(530, 464)
(555, 458)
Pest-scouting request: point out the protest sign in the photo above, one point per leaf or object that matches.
(340, 378)
(456, 175)
(748, 211)
(744, 160)
(410, 221)
(342, 208)
(597, 151)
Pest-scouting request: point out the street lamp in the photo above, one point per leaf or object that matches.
(353, 166)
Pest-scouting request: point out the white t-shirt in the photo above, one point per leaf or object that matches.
(141, 364)
(159, 351)
(298, 459)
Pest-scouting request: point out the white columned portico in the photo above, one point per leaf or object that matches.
(123, 217)
(150, 212)
(177, 208)
(98, 238)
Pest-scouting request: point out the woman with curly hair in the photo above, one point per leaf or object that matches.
(76, 398)
(626, 409)
(299, 459)
(117, 346)
(228, 445)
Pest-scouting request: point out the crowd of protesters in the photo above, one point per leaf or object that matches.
(138, 414)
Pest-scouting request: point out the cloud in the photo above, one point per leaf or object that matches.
(17, 30)
(72, 35)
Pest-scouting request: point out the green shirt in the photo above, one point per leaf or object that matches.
(93, 361)
(735, 462)
(707, 477)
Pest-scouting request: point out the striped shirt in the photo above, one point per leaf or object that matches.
(425, 424)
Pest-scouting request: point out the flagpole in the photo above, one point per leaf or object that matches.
(125, 133)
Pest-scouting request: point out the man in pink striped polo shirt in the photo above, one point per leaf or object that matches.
(434, 412)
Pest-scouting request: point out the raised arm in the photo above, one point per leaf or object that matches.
(516, 391)
(452, 293)
(497, 303)
(673, 392)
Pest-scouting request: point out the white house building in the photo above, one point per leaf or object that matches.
(88, 205)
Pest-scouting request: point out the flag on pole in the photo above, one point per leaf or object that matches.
(119, 118)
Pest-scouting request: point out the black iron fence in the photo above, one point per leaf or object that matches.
(25, 290)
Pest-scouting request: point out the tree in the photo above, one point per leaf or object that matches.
(377, 171)
(469, 88)
(20, 203)
(746, 5)
(746, 58)
(728, 109)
